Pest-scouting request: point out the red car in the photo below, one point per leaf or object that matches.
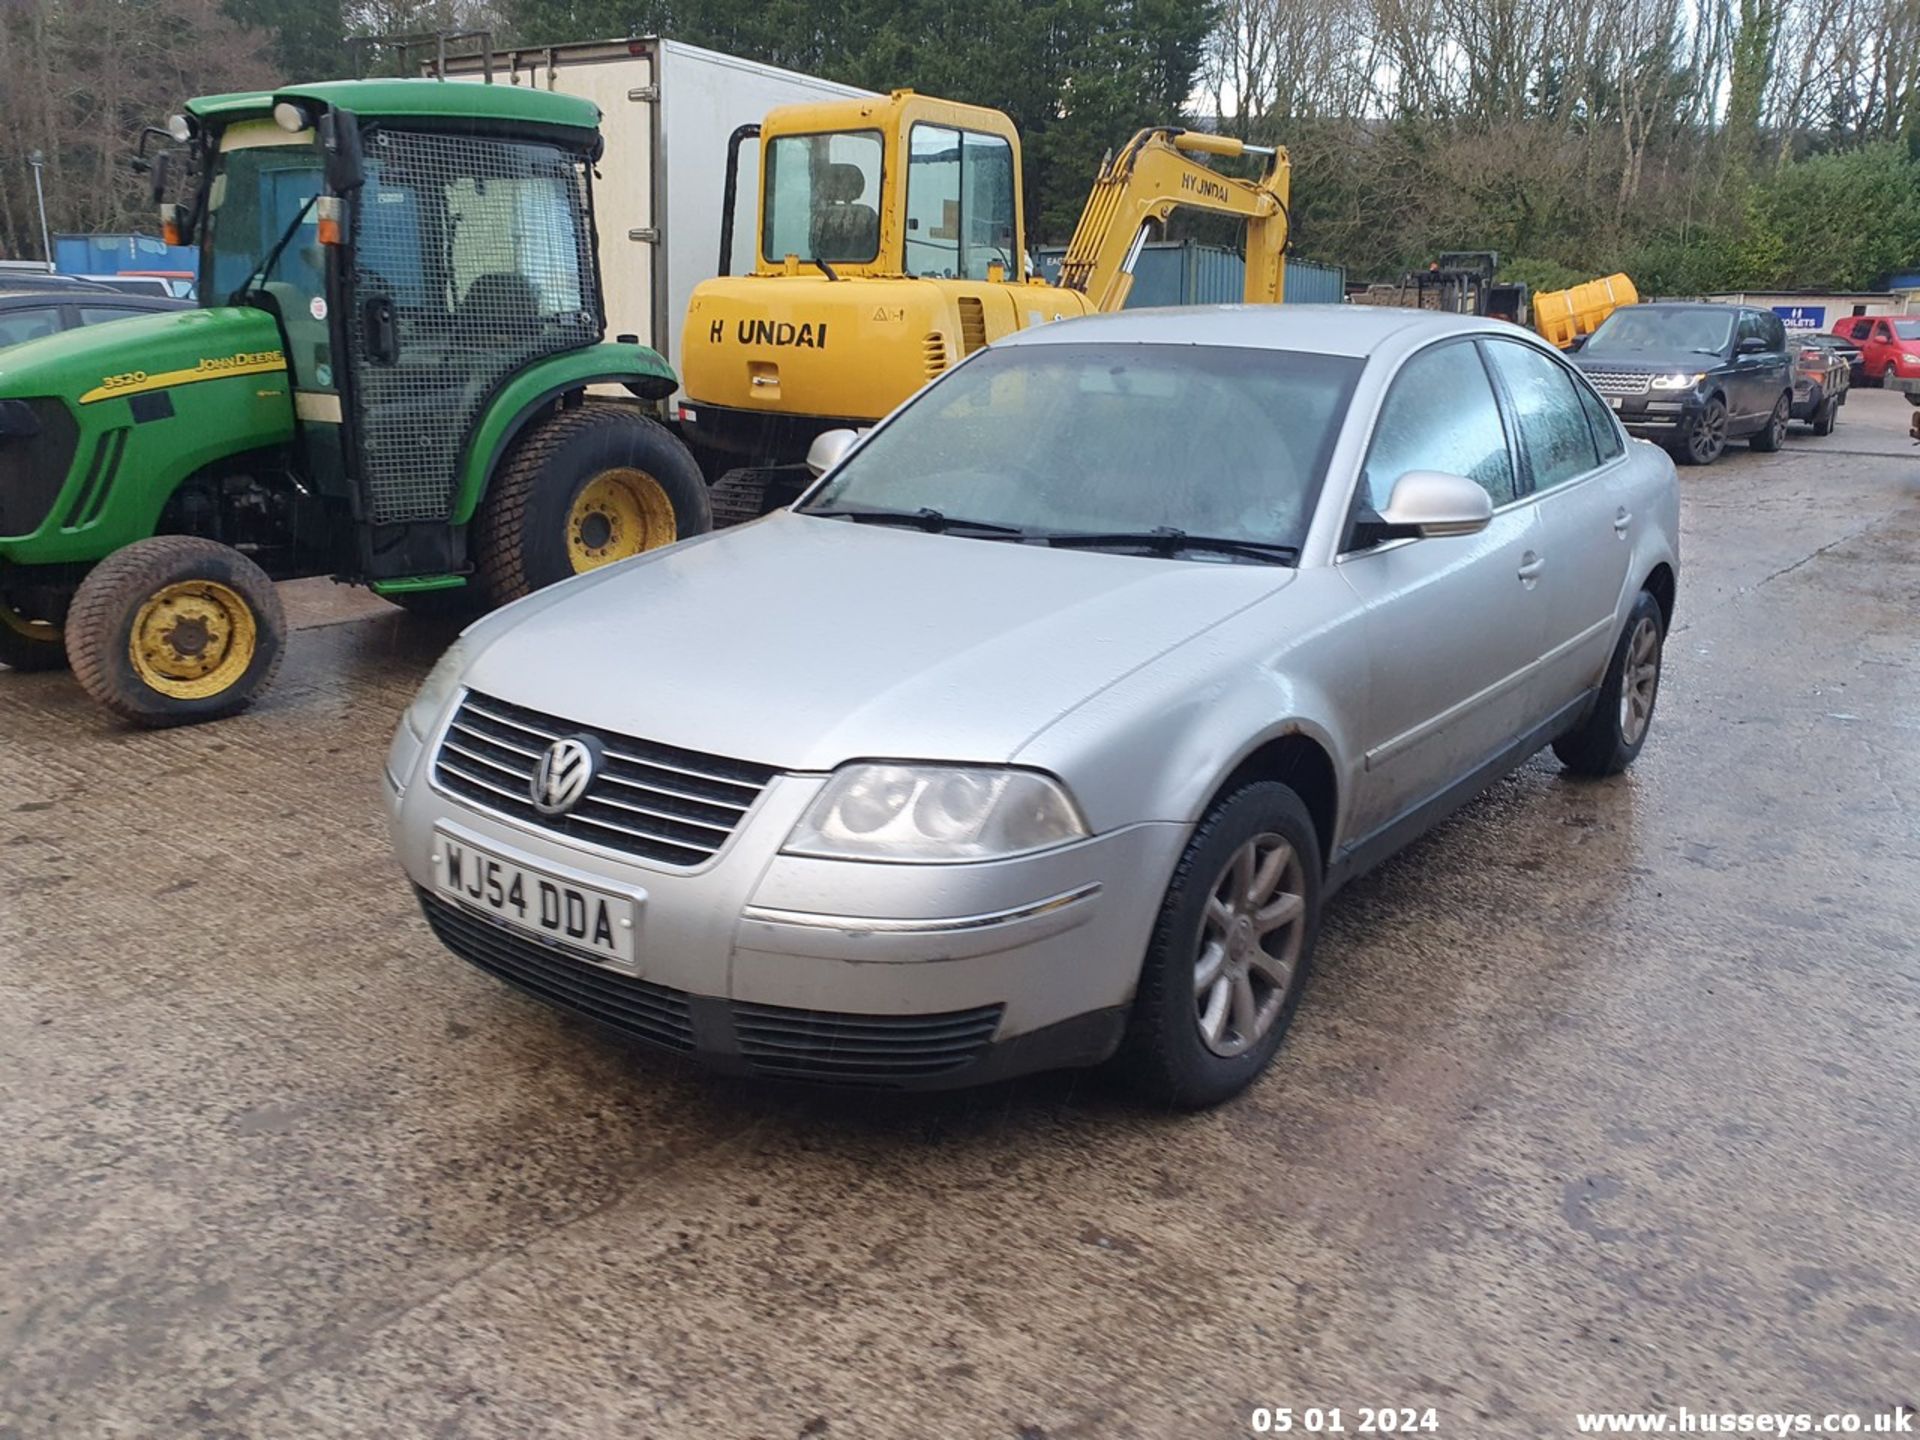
(1889, 349)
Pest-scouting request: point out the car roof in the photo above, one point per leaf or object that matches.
(1352, 330)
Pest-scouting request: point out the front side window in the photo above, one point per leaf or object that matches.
(28, 323)
(959, 204)
(1440, 415)
(262, 195)
(821, 198)
(1096, 439)
(1547, 412)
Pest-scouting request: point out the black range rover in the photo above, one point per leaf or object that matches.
(1693, 377)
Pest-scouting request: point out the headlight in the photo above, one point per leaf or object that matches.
(924, 813)
(441, 682)
(1677, 382)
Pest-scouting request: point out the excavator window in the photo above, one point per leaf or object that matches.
(960, 218)
(822, 198)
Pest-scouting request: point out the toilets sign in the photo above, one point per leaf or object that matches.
(1802, 317)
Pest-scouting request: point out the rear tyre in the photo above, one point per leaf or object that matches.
(1229, 955)
(1773, 434)
(1826, 416)
(582, 489)
(29, 644)
(175, 630)
(1705, 436)
(1610, 738)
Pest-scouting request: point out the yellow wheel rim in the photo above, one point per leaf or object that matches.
(618, 513)
(192, 639)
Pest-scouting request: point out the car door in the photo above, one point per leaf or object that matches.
(1879, 349)
(1573, 458)
(1453, 626)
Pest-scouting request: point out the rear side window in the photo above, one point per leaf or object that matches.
(1553, 426)
(1440, 415)
(28, 323)
(99, 314)
(1606, 434)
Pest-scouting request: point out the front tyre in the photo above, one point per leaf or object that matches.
(1229, 954)
(175, 630)
(582, 489)
(29, 644)
(1609, 739)
(1773, 434)
(1705, 436)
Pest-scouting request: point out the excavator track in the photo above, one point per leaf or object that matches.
(746, 494)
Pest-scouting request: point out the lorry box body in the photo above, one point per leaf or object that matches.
(666, 110)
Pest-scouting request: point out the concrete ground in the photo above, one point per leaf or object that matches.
(1604, 1097)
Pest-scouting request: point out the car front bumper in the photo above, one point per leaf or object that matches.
(830, 971)
(1658, 415)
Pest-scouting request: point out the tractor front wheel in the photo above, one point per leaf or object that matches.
(583, 489)
(175, 630)
(29, 644)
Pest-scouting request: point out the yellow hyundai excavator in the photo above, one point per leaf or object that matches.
(890, 246)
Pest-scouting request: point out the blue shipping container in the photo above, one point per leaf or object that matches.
(117, 254)
(1180, 272)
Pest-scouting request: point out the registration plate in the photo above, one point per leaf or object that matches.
(598, 923)
(1614, 401)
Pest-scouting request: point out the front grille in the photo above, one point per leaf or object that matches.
(1620, 382)
(34, 466)
(653, 1014)
(655, 801)
(861, 1049)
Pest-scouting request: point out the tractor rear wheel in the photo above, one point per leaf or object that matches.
(582, 489)
(29, 644)
(175, 630)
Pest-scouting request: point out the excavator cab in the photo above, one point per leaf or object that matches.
(890, 246)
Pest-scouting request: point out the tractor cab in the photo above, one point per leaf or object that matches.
(903, 186)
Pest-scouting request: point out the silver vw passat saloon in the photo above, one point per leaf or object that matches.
(1040, 730)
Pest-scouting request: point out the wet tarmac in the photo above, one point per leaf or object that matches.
(1603, 1097)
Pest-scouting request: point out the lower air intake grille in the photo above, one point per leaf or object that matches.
(652, 1014)
(861, 1049)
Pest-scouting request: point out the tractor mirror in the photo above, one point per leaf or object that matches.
(157, 169)
(340, 139)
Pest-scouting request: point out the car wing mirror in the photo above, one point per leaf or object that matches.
(1430, 504)
(1751, 345)
(829, 448)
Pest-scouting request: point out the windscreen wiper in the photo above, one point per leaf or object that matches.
(265, 267)
(925, 518)
(1167, 540)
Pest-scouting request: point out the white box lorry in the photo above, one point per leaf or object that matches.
(667, 111)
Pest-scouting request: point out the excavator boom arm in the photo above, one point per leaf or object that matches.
(1156, 173)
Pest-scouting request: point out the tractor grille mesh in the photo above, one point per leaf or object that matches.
(484, 250)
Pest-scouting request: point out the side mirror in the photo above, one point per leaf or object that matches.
(1751, 345)
(829, 448)
(1428, 504)
(157, 169)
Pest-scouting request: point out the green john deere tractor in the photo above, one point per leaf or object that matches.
(387, 382)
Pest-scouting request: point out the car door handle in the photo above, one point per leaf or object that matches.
(1622, 521)
(1531, 566)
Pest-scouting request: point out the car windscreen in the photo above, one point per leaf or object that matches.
(1637, 329)
(1075, 439)
(1907, 329)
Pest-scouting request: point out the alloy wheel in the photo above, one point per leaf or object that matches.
(1249, 945)
(1709, 434)
(1639, 681)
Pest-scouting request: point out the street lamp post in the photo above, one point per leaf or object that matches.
(37, 161)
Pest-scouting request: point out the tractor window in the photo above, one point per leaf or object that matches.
(255, 197)
(959, 204)
(822, 198)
